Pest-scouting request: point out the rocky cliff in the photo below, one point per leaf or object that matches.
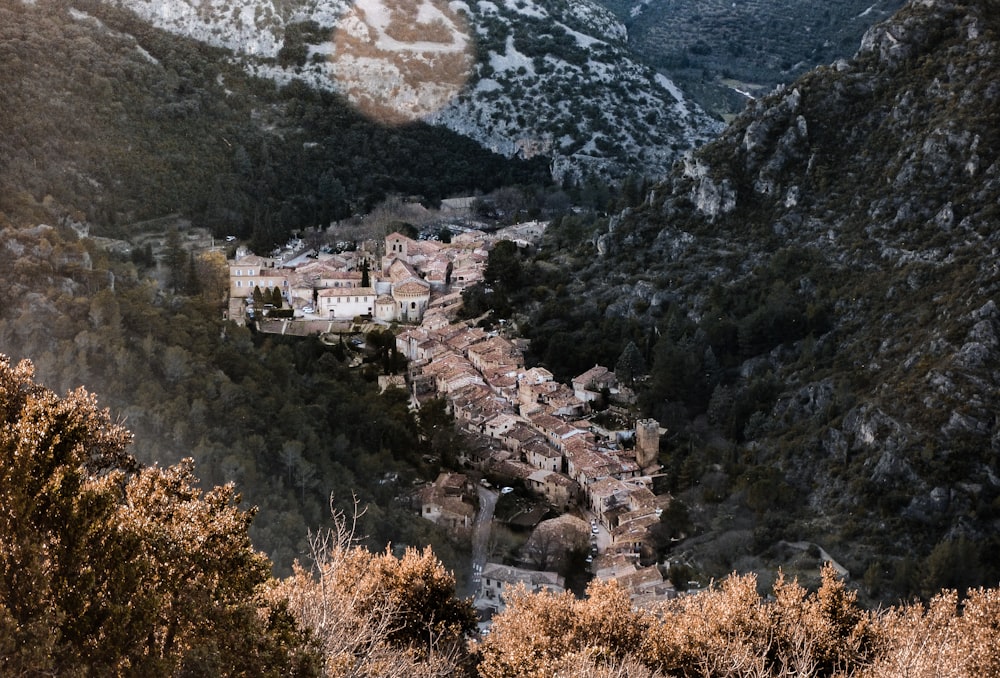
(723, 52)
(823, 285)
(522, 78)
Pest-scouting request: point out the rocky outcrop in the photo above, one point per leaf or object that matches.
(865, 195)
(520, 78)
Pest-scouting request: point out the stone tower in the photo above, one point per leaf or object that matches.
(647, 442)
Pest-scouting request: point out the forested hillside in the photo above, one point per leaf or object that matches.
(107, 122)
(284, 419)
(809, 305)
(723, 52)
(110, 119)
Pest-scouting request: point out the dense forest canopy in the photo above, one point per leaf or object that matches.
(119, 122)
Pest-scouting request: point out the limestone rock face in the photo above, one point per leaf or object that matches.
(836, 248)
(522, 78)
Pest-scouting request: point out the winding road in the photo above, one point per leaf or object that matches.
(481, 535)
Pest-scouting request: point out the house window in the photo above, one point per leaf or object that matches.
(238, 283)
(250, 272)
(413, 304)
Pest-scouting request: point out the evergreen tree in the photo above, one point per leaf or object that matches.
(192, 284)
(366, 280)
(177, 261)
(630, 365)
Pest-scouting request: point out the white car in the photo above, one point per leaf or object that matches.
(308, 309)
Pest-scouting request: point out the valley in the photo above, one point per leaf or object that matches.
(800, 304)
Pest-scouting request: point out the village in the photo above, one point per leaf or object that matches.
(523, 429)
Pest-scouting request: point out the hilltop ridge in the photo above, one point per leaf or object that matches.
(521, 78)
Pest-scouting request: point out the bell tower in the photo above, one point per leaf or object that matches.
(647, 442)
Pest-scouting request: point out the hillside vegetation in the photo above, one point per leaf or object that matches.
(284, 419)
(112, 568)
(526, 79)
(814, 294)
(720, 51)
(115, 122)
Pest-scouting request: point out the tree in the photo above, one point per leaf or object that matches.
(436, 427)
(630, 365)
(366, 280)
(376, 614)
(503, 267)
(109, 568)
(276, 298)
(177, 261)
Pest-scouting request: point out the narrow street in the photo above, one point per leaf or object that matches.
(481, 535)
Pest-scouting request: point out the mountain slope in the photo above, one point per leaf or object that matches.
(114, 121)
(720, 50)
(823, 284)
(522, 78)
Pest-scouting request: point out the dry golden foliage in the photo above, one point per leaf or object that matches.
(730, 631)
(941, 639)
(109, 569)
(376, 615)
(546, 634)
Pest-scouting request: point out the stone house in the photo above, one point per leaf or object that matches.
(542, 456)
(588, 386)
(559, 490)
(500, 424)
(250, 272)
(494, 353)
(345, 302)
(533, 377)
(516, 437)
(503, 380)
(444, 502)
(556, 431)
(497, 579)
(462, 338)
(311, 277)
(608, 500)
(632, 537)
(246, 271)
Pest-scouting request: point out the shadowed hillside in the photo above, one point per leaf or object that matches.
(815, 293)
